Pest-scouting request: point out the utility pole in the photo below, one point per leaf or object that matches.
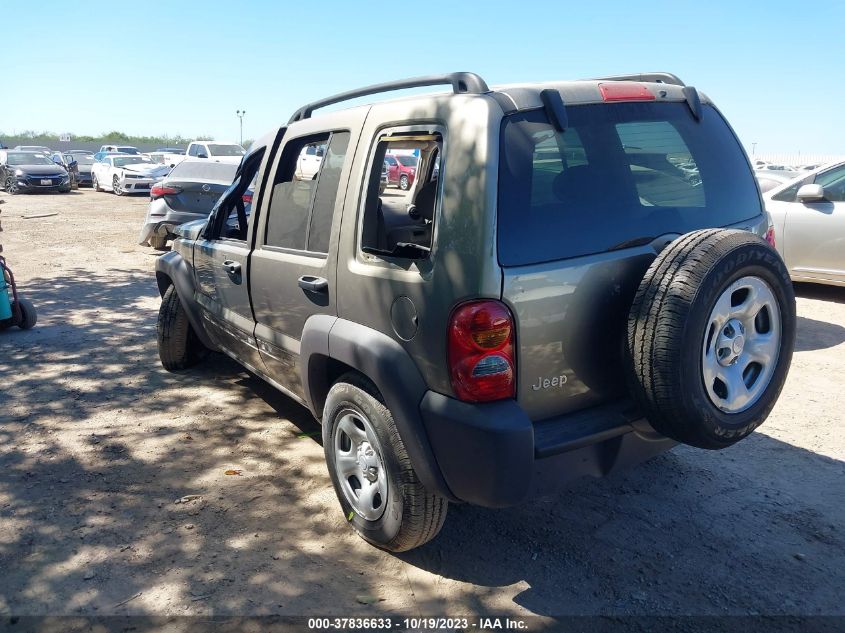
(753, 148)
(241, 114)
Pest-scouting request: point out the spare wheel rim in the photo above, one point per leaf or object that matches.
(741, 346)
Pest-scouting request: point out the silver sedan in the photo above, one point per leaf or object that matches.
(808, 214)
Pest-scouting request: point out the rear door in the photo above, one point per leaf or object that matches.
(221, 262)
(292, 275)
(583, 213)
(815, 231)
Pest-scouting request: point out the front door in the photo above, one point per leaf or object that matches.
(815, 231)
(292, 275)
(221, 261)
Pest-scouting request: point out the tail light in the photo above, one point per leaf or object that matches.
(164, 190)
(625, 91)
(481, 355)
(247, 198)
(770, 235)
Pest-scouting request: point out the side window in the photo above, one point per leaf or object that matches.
(790, 193)
(399, 221)
(192, 150)
(305, 192)
(325, 200)
(833, 182)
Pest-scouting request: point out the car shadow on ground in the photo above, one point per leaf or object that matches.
(822, 292)
(812, 334)
(747, 530)
(90, 519)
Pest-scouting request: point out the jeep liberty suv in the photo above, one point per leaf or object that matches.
(554, 296)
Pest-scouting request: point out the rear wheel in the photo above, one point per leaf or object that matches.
(178, 345)
(710, 337)
(158, 242)
(377, 487)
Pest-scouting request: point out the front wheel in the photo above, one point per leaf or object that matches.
(11, 186)
(404, 183)
(95, 184)
(115, 186)
(178, 345)
(377, 487)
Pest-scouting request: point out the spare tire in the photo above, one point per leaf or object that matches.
(710, 337)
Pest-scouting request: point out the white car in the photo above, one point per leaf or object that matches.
(808, 215)
(122, 149)
(217, 151)
(166, 158)
(310, 159)
(126, 173)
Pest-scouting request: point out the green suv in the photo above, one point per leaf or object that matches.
(579, 277)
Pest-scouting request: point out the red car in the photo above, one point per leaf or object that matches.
(401, 169)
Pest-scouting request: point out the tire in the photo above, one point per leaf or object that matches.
(11, 186)
(710, 337)
(404, 183)
(95, 184)
(115, 186)
(29, 316)
(408, 515)
(178, 345)
(158, 242)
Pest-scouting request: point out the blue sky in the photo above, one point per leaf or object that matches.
(184, 66)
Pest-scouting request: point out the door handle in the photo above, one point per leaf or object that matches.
(233, 268)
(313, 284)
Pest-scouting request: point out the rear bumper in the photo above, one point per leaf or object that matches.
(493, 455)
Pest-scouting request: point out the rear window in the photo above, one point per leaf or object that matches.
(204, 170)
(620, 174)
(217, 149)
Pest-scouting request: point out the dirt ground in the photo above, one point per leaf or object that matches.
(98, 442)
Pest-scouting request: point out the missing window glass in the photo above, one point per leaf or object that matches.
(402, 195)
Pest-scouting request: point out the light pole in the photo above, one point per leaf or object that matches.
(241, 114)
(753, 148)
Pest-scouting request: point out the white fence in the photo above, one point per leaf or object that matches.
(797, 159)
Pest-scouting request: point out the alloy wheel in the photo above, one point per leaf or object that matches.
(741, 344)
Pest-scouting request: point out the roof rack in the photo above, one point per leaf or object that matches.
(462, 83)
(660, 78)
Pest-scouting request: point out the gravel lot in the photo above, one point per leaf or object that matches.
(97, 442)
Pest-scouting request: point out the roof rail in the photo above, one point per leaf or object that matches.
(462, 83)
(661, 78)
